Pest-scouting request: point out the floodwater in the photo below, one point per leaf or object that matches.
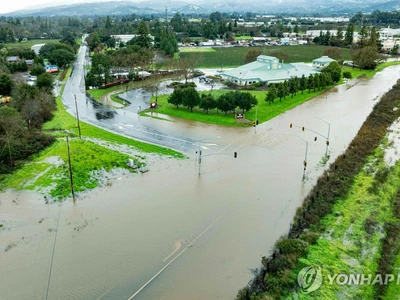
(169, 233)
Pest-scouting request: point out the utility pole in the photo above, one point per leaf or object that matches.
(70, 172)
(77, 117)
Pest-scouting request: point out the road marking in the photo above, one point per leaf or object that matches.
(175, 258)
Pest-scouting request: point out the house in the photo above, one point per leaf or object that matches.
(29, 63)
(322, 62)
(13, 59)
(267, 69)
(51, 69)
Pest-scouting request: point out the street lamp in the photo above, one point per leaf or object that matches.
(199, 150)
(306, 154)
(327, 137)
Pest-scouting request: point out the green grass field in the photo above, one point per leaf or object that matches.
(265, 111)
(369, 73)
(243, 37)
(234, 56)
(29, 43)
(348, 244)
(185, 50)
(52, 179)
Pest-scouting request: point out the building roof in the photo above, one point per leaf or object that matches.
(29, 61)
(268, 69)
(323, 60)
(12, 58)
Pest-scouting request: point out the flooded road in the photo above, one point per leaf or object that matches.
(169, 233)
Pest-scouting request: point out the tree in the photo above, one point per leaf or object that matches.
(245, 101)
(282, 56)
(225, 103)
(285, 89)
(101, 67)
(143, 38)
(363, 37)
(252, 55)
(310, 83)
(272, 93)
(93, 41)
(45, 82)
(207, 102)
(187, 65)
(61, 57)
(21, 93)
(6, 84)
(333, 52)
(11, 125)
(48, 48)
(334, 69)
(317, 82)
(37, 70)
(302, 84)
(348, 38)
(280, 91)
(374, 40)
(293, 86)
(366, 58)
(190, 97)
(176, 97)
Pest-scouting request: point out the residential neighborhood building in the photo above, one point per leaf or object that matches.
(267, 69)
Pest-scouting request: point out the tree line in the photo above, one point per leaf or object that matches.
(189, 97)
(330, 75)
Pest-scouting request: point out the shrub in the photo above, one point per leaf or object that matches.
(292, 246)
(347, 74)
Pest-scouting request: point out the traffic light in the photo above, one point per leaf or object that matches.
(327, 143)
(235, 154)
(256, 122)
(302, 128)
(315, 139)
(291, 125)
(305, 164)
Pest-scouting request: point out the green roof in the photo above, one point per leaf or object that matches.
(323, 60)
(268, 69)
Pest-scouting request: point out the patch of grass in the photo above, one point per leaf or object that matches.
(116, 98)
(265, 111)
(184, 50)
(29, 43)
(86, 157)
(369, 73)
(234, 56)
(63, 121)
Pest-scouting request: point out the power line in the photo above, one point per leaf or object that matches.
(52, 254)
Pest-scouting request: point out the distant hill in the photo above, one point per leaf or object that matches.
(206, 7)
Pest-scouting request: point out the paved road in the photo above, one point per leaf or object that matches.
(127, 121)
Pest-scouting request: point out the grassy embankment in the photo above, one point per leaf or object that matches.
(343, 219)
(47, 172)
(235, 56)
(265, 110)
(29, 43)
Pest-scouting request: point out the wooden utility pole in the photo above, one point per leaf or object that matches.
(70, 172)
(77, 117)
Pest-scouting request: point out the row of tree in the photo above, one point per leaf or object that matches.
(314, 82)
(190, 98)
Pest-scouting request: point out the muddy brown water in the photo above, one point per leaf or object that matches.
(201, 235)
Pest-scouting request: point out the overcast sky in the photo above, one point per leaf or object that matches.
(9, 6)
